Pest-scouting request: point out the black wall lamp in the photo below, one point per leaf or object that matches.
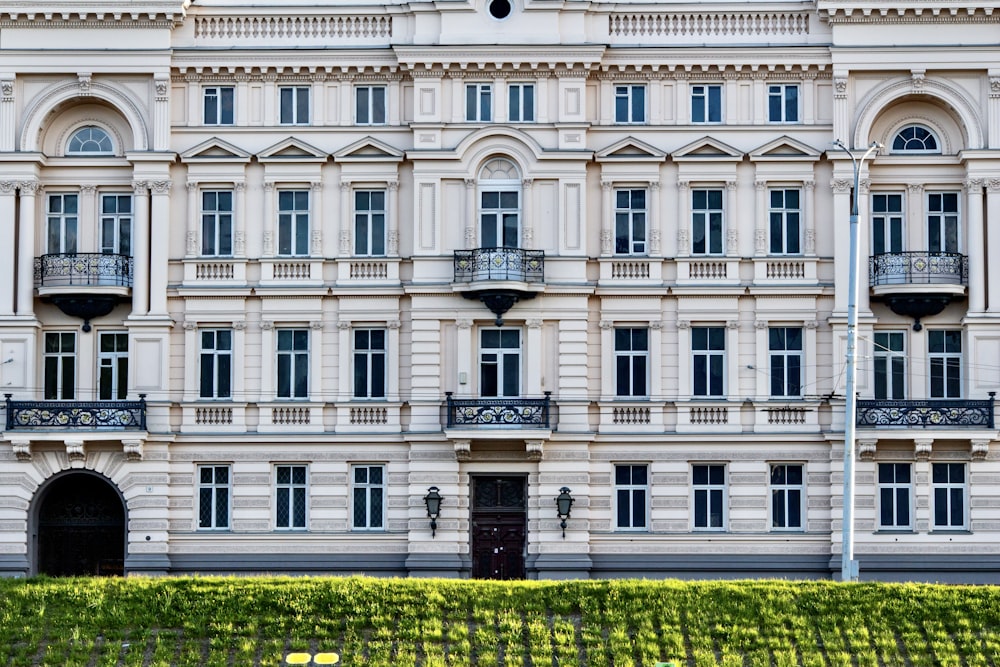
(564, 503)
(433, 502)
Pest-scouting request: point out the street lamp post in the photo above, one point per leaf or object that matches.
(849, 566)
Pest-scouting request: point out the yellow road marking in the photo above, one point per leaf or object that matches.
(326, 659)
(298, 659)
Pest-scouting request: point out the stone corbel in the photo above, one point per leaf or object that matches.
(866, 449)
(22, 449)
(132, 449)
(980, 448)
(922, 449)
(463, 450)
(74, 450)
(534, 449)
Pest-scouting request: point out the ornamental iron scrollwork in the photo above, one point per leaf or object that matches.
(499, 412)
(97, 415)
(918, 268)
(926, 414)
(83, 269)
(515, 264)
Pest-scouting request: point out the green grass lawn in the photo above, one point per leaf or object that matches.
(436, 623)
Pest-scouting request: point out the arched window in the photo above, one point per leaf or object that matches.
(499, 205)
(90, 140)
(915, 139)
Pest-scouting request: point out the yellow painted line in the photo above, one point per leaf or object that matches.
(326, 659)
(298, 659)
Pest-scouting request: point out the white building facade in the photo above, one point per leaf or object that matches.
(274, 276)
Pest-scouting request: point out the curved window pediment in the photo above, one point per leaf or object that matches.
(90, 140)
(915, 139)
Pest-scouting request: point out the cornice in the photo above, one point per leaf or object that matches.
(111, 13)
(907, 11)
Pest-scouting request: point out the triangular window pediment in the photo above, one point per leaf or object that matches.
(215, 149)
(708, 148)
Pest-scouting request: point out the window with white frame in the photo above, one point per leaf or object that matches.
(500, 363)
(887, 222)
(521, 102)
(116, 224)
(369, 105)
(915, 139)
(294, 105)
(59, 365)
(293, 363)
(368, 497)
(62, 221)
(943, 222)
(216, 363)
(479, 102)
(369, 223)
(219, 103)
(630, 104)
(785, 218)
(112, 366)
(631, 362)
(90, 140)
(631, 496)
(708, 481)
(948, 481)
(369, 363)
(784, 346)
(214, 492)
(290, 493)
(706, 103)
(217, 223)
(293, 223)
(889, 362)
(944, 348)
(895, 493)
(783, 103)
(630, 221)
(707, 224)
(787, 496)
(708, 361)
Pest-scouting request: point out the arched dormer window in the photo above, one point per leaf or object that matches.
(90, 140)
(915, 139)
(499, 204)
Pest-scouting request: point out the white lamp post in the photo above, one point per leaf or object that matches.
(849, 566)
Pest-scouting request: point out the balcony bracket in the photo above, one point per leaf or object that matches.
(499, 301)
(917, 305)
(84, 306)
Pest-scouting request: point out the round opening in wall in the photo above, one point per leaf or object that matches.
(499, 9)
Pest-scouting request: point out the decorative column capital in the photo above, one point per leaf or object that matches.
(29, 188)
(866, 449)
(7, 187)
(980, 449)
(160, 187)
(533, 323)
(132, 449)
(240, 325)
(606, 325)
(463, 323)
(683, 324)
(974, 185)
(922, 449)
(88, 189)
(392, 324)
(841, 185)
(22, 448)
(344, 325)
(140, 187)
(266, 325)
(316, 325)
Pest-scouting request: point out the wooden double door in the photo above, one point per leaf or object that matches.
(499, 526)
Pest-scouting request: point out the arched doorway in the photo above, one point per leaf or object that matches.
(80, 527)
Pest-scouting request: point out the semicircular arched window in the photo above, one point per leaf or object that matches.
(499, 204)
(90, 140)
(915, 139)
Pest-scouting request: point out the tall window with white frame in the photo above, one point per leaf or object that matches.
(479, 102)
(784, 346)
(706, 103)
(293, 363)
(943, 222)
(632, 362)
(294, 103)
(290, 493)
(889, 361)
(369, 105)
(500, 363)
(61, 224)
(783, 103)
(948, 481)
(787, 496)
(521, 102)
(945, 357)
(112, 366)
(369, 223)
(59, 365)
(708, 482)
(214, 490)
(116, 224)
(368, 497)
(217, 223)
(219, 104)
(630, 104)
(785, 219)
(887, 222)
(630, 221)
(707, 223)
(708, 361)
(216, 363)
(895, 493)
(369, 363)
(631, 496)
(293, 223)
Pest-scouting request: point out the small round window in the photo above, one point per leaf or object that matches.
(499, 9)
(90, 140)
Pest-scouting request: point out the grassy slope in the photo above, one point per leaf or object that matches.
(256, 621)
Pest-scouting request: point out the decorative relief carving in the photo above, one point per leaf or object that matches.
(28, 188)
(470, 237)
(840, 87)
(345, 242)
(191, 186)
(268, 242)
(269, 186)
(654, 241)
(192, 243)
(866, 450)
(683, 324)
(316, 186)
(993, 185)
(140, 187)
(22, 449)
(463, 323)
(392, 242)
(7, 187)
(683, 241)
(344, 325)
(316, 242)
(809, 185)
(841, 185)
(392, 185)
(810, 241)
(605, 241)
(162, 89)
(922, 449)
(533, 323)
(917, 79)
(683, 185)
(607, 185)
(656, 325)
(915, 188)
(160, 187)
(974, 185)
(470, 183)
(240, 186)
(392, 324)
(760, 324)
(84, 81)
(864, 185)
(607, 325)
(760, 240)
(88, 190)
(980, 449)
(732, 324)
(463, 450)
(240, 243)
(534, 449)
(345, 186)
(316, 325)
(732, 242)
(731, 185)
(266, 325)
(760, 185)
(995, 86)
(810, 324)
(132, 449)
(527, 236)
(7, 90)
(240, 325)
(527, 182)
(74, 451)
(190, 326)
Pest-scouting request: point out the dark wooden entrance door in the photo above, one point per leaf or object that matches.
(81, 528)
(499, 526)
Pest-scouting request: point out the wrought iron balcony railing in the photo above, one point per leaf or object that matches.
(97, 415)
(499, 412)
(940, 413)
(918, 268)
(83, 269)
(516, 264)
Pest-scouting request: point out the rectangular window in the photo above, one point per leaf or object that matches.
(942, 222)
(889, 358)
(479, 102)
(214, 492)
(112, 366)
(368, 497)
(499, 219)
(369, 363)
(894, 492)
(707, 233)
(785, 351)
(369, 105)
(708, 350)
(290, 493)
(631, 497)
(785, 222)
(294, 105)
(630, 222)
(60, 365)
(369, 223)
(783, 103)
(630, 104)
(62, 221)
(116, 224)
(709, 485)
(219, 105)
(945, 352)
(948, 483)
(293, 363)
(293, 223)
(521, 103)
(500, 363)
(216, 363)
(706, 103)
(787, 496)
(887, 223)
(217, 223)
(632, 362)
